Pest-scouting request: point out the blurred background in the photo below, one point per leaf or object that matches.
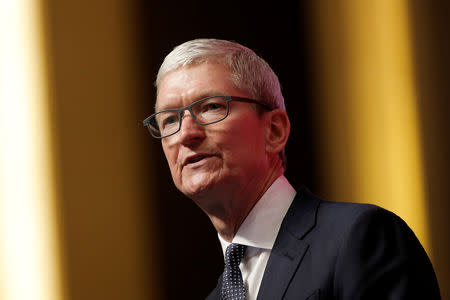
(87, 205)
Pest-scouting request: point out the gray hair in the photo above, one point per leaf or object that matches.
(248, 72)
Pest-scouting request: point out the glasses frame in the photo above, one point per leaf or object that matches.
(228, 99)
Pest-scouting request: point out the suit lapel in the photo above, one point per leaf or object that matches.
(289, 248)
(280, 268)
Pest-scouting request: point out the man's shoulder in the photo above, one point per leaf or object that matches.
(343, 211)
(343, 217)
(346, 247)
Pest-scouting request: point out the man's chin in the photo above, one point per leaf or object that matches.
(196, 190)
(195, 185)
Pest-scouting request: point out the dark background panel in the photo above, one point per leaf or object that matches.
(192, 257)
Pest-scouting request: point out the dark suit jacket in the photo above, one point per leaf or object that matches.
(330, 250)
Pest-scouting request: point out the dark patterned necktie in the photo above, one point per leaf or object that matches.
(232, 283)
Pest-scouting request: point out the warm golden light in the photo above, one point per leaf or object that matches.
(369, 112)
(28, 256)
(385, 122)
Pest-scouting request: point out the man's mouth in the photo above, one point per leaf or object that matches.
(196, 158)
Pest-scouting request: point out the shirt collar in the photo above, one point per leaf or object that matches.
(260, 227)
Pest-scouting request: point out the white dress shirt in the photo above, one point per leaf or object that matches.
(259, 231)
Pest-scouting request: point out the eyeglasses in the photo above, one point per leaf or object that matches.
(205, 111)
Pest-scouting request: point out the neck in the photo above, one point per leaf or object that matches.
(236, 205)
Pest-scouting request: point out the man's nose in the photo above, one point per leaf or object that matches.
(190, 133)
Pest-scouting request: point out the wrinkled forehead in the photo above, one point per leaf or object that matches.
(167, 68)
(208, 78)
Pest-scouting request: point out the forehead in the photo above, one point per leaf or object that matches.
(188, 84)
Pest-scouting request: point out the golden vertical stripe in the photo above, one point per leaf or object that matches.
(371, 131)
(110, 242)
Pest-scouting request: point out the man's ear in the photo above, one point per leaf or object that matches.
(277, 130)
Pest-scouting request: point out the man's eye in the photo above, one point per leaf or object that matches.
(169, 120)
(213, 106)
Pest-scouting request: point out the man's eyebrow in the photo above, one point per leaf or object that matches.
(203, 94)
(208, 93)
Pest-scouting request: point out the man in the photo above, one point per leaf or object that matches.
(223, 127)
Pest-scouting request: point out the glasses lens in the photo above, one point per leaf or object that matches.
(210, 110)
(164, 123)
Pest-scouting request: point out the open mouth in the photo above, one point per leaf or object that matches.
(196, 158)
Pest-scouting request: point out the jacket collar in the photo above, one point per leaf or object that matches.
(289, 248)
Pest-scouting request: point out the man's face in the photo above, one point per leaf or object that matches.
(216, 158)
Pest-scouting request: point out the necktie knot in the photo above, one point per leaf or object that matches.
(233, 285)
(234, 255)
